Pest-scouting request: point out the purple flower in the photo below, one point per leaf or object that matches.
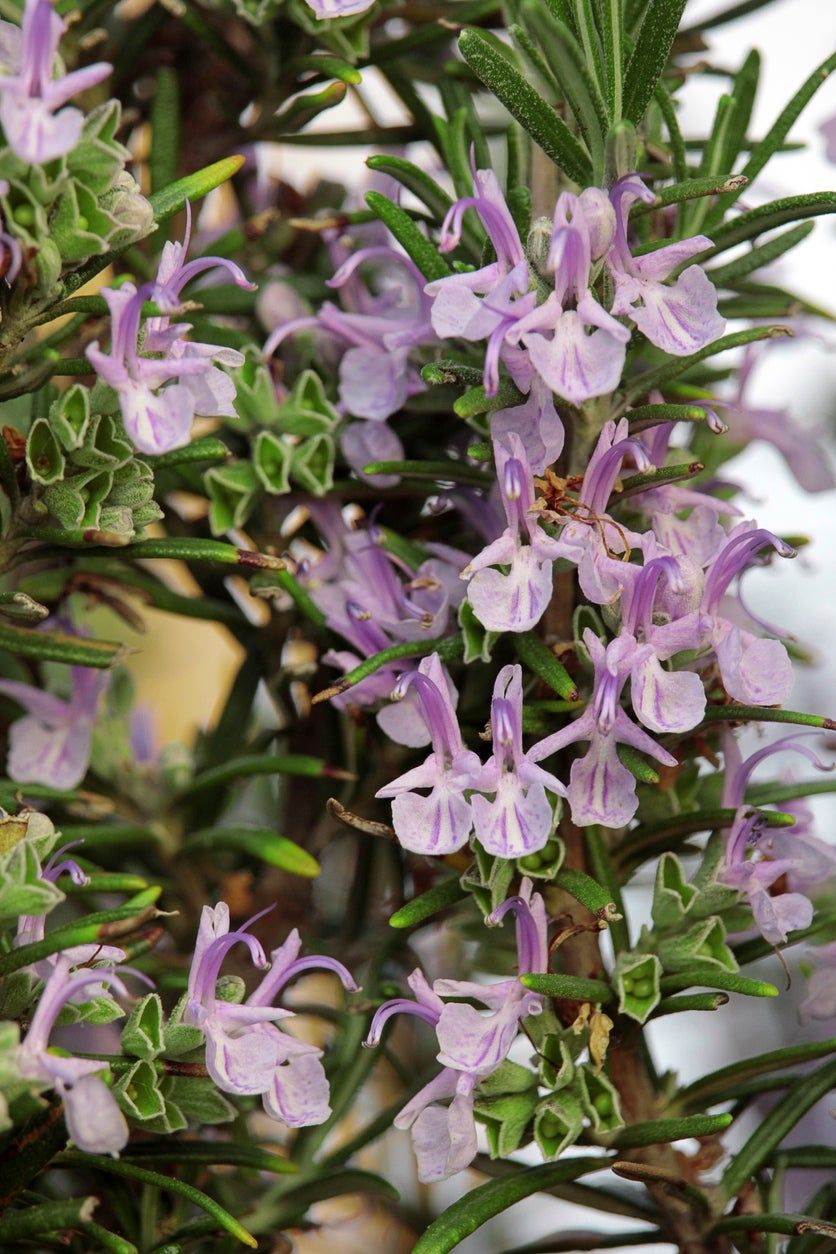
(591, 539)
(246, 1053)
(518, 819)
(326, 9)
(573, 344)
(440, 822)
(485, 304)
(804, 452)
(471, 1045)
(160, 395)
(820, 1002)
(51, 744)
(37, 128)
(516, 600)
(679, 317)
(798, 854)
(537, 424)
(212, 390)
(601, 789)
(94, 1121)
(663, 700)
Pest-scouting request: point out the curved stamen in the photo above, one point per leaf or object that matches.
(398, 1006)
(529, 941)
(639, 612)
(735, 557)
(600, 481)
(273, 985)
(734, 788)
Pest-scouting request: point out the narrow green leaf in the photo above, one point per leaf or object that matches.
(650, 55)
(165, 129)
(679, 154)
(655, 478)
(449, 471)
(425, 255)
(690, 1001)
(414, 180)
(645, 416)
(569, 988)
(53, 646)
(448, 648)
(476, 400)
(661, 1131)
(103, 926)
(473, 1210)
(210, 1154)
(789, 1225)
(172, 199)
(258, 842)
(653, 379)
(207, 449)
(810, 1157)
(702, 1091)
(755, 258)
(539, 658)
(637, 765)
(765, 714)
(169, 1183)
(430, 903)
(523, 103)
(767, 217)
(744, 90)
(610, 22)
(259, 764)
(33, 1221)
(447, 371)
(597, 899)
(702, 976)
(690, 189)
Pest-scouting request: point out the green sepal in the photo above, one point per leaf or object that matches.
(545, 864)
(271, 462)
(673, 896)
(705, 942)
(198, 1099)
(232, 490)
(138, 1093)
(98, 158)
(478, 641)
(558, 1124)
(255, 400)
(96, 1011)
(307, 411)
(636, 978)
(488, 879)
(312, 464)
(69, 416)
(600, 1100)
(180, 1038)
(44, 457)
(506, 1120)
(142, 1035)
(22, 890)
(558, 1054)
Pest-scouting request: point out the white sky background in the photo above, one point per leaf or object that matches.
(793, 36)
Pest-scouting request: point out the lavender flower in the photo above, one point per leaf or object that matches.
(37, 128)
(776, 914)
(471, 1045)
(574, 345)
(485, 304)
(245, 1052)
(592, 539)
(518, 820)
(601, 789)
(327, 9)
(51, 744)
(94, 1121)
(516, 600)
(679, 317)
(441, 822)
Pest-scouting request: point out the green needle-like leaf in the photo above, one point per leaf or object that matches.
(650, 55)
(430, 903)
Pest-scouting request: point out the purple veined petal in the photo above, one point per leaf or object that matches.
(629, 733)
(157, 423)
(754, 671)
(43, 706)
(34, 133)
(573, 364)
(516, 823)
(581, 729)
(94, 1121)
(438, 1089)
(299, 1094)
(601, 789)
(776, 916)
(515, 601)
(812, 862)
(599, 215)
(820, 1002)
(477, 1043)
(532, 927)
(666, 701)
(242, 1062)
(325, 9)
(214, 922)
(56, 756)
(655, 266)
(365, 442)
(680, 319)
(212, 391)
(537, 425)
(493, 996)
(437, 824)
(373, 382)
(402, 720)
(444, 1140)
